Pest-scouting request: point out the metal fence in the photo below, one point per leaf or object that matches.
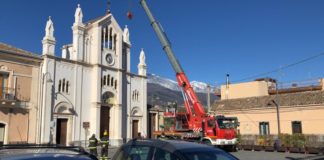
(308, 139)
(306, 83)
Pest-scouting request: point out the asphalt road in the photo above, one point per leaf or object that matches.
(112, 151)
(249, 155)
(262, 155)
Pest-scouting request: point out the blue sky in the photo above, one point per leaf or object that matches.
(209, 37)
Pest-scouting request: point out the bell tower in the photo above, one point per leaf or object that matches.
(78, 35)
(49, 39)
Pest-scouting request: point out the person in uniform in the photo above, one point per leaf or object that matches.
(93, 142)
(104, 146)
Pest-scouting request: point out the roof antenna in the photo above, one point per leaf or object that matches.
(108, 6)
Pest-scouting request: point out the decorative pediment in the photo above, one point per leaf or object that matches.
(136, 111)
(64, 108)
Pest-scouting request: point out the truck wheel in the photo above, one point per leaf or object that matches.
(231, 148)
(235, 148)
(207, 142)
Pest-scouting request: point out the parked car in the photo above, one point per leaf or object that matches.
(154, 149)
(43, 152)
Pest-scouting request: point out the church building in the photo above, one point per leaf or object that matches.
(90, 88)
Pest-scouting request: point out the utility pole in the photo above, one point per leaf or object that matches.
(208, 98)
(277, 107)
(277, 102)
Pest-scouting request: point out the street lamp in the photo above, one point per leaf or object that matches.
(276, 103)
(277, 142)
(49, 79)
(277, 107)
(278, 116)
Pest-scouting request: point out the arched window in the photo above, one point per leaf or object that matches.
(112, 81)
(104, 80)
(102, 38)
(115, 42)
(67, 87)
(108, 80)
(115, 84)
(63, 86)
(137, 93)
(106, 37)
(110, 38)
(59, 85)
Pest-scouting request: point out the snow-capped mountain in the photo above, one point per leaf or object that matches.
(162, 90)
(167, 83)
(200, 86)
(173, 85)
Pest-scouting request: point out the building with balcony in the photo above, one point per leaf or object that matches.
(19, 77)
(258, 105)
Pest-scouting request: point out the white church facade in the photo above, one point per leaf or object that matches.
(90, 89)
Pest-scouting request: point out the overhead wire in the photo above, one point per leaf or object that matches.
(280, 68)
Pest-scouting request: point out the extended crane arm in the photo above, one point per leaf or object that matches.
(164, 41)
(181, 77)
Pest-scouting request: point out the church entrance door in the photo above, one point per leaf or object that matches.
(104, 120)
(61, 131)
(135, 128)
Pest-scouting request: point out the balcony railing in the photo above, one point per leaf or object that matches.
(10, 98)
(300, 86)
(305, 83)
(12, 94)
(7, 93)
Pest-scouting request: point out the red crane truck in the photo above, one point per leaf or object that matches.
(197, 125)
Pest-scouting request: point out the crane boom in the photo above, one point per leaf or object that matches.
(181, 76)
(164, 41)
(213, 128)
